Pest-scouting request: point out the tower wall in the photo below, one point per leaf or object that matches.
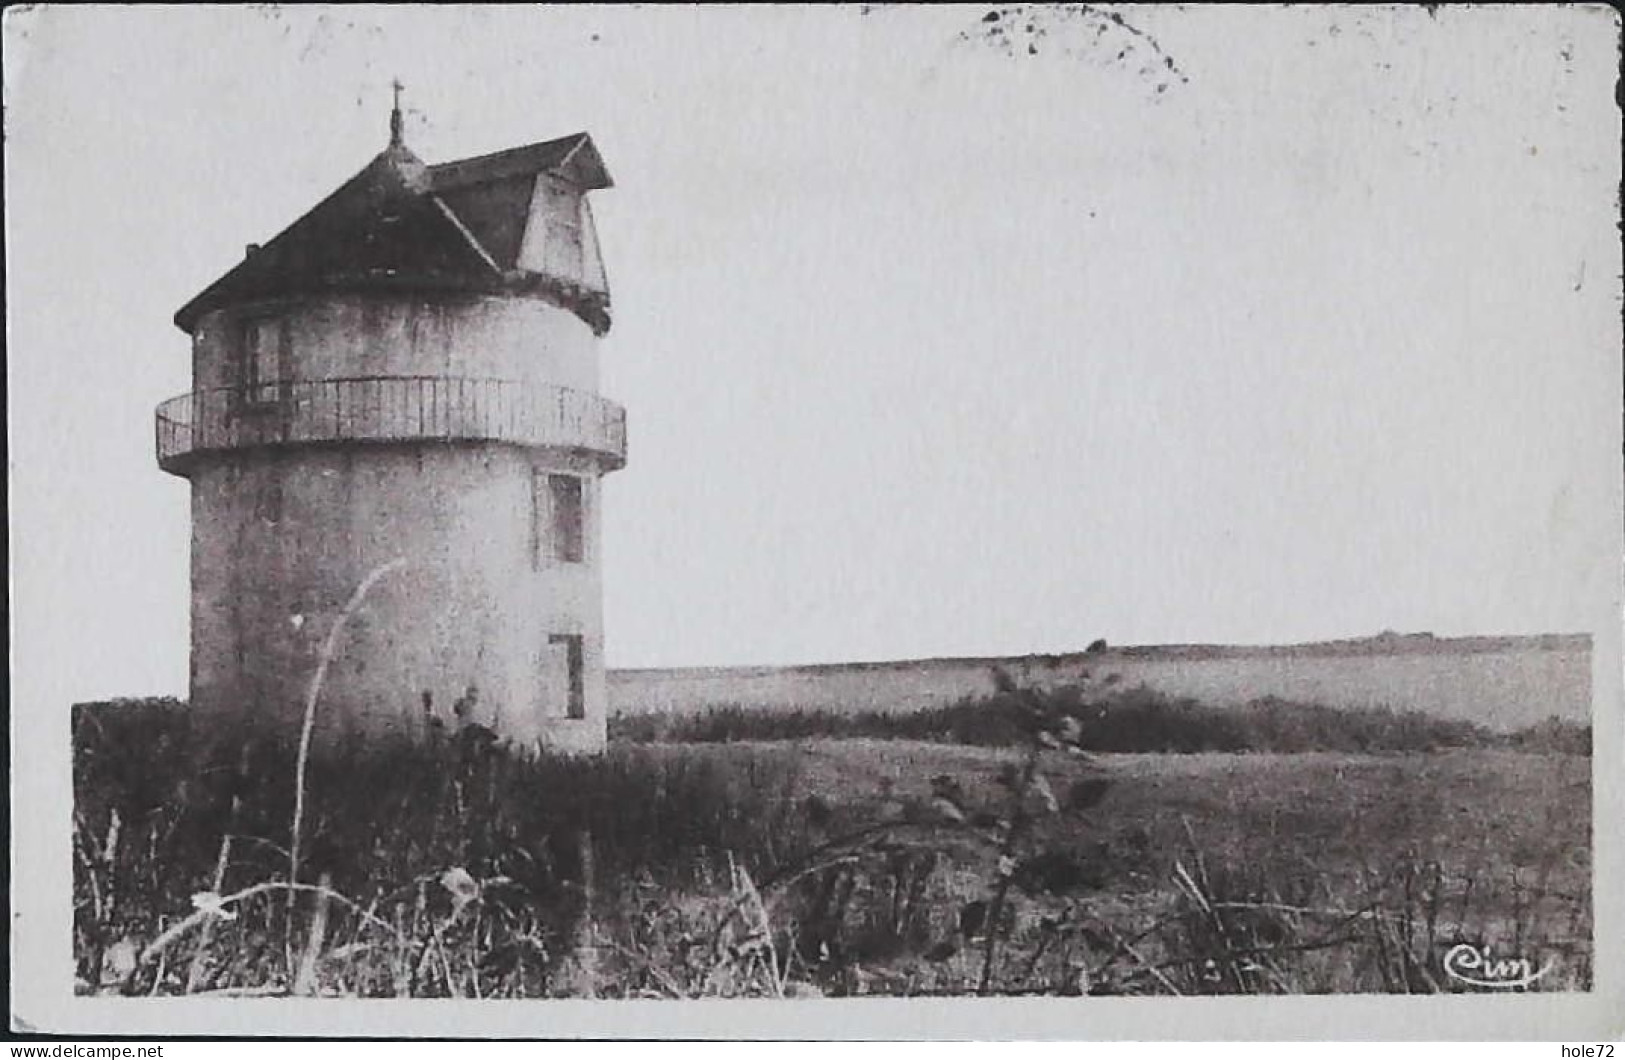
(526, 340)
(284, 533)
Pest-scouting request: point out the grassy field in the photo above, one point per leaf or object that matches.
(815, 867)
(1503, 683)
(1369, 863)
(1120, 720)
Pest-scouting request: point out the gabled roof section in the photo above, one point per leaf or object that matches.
(492, 194)
(574, 158)
(402, 225)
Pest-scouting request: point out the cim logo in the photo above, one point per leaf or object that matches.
(1467, 963)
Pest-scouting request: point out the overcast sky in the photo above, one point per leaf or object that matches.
(1238, 325)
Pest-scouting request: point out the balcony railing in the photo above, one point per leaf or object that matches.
(389, 409)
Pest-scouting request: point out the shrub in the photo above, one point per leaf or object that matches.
(1554, 735)
(1120, 720)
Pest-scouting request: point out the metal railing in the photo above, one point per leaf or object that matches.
(389, 408)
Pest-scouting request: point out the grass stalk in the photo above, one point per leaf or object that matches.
(304, 984)
(325, 659)
(194, 973)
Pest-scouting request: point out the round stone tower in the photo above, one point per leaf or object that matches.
(406, 378)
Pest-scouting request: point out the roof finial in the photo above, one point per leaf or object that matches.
(395, 116)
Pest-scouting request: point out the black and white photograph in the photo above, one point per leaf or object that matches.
(973, 521)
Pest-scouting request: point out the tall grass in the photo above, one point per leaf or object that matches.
(670, 871)
(385, 827)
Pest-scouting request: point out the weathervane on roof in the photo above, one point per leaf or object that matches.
(395, 115)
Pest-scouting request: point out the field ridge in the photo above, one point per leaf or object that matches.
(1380, 644)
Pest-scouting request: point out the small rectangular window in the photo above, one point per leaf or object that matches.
(569, 522)
(261, 358)
(558, 519)
(575, 665)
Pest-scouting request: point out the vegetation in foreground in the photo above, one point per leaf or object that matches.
(825, 867)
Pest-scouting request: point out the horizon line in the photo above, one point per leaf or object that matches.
(1387, 638)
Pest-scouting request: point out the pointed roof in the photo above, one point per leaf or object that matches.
(402, 225)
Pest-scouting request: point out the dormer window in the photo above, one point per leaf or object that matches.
(559, 242)
(562, 254)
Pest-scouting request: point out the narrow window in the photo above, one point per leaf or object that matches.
(569, 536)
(261, 354)
(558, 519)
(575, 668)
